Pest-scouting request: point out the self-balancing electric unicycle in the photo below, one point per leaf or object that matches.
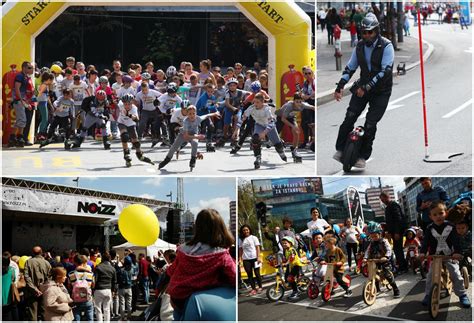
(352, 148)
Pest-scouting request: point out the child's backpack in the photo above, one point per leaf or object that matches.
(81, 291)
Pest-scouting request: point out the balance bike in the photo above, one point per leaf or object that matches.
(375, 278)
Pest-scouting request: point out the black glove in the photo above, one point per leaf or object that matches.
(156, 102)
(340, 85)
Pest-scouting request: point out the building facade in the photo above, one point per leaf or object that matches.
(233, 217)
(373, 199)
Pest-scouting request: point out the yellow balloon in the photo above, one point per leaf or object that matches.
(139, 225)
(98, 261)
(22, 262)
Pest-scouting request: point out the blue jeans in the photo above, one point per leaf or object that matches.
(84, 311)
(217, 304)
(145, 288)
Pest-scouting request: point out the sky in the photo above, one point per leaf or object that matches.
(199, 192)
(335, 184)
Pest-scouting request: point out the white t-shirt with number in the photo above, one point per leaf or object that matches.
(249, 247)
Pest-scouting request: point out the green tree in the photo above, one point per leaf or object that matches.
(162, 45)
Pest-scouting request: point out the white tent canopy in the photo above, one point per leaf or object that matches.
(151, 250)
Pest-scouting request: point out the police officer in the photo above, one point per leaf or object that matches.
(374, 55)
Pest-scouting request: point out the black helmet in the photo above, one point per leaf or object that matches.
(127, 97)
(370, 22)
(172, 88)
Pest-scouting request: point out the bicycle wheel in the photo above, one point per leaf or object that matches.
(349, 157)
(313, 290)
(303, 283)
(465, 276)
(434, 301)
(369, 293)
(275, 293)
(326, 292)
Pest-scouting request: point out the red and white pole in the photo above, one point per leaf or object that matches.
(422, 69)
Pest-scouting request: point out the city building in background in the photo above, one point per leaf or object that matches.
(407, 198)
(292, 197)
(233, 217)
(373, 199)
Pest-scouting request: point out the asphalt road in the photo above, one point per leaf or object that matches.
(386, 308)
(91, 159)
(399, 144)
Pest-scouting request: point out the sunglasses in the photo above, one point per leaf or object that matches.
(367, 32)
(30, 67)
(308, 73)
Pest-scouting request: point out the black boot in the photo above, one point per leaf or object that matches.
(281, 151)
(12, 141)
(44, 143)
(106, 142)
(396, 291)
(192, 162)
(20, 142)
(257, 162)
(235, 149)
(126, 156)
(143, 158)
(164, 162)
(77, 142)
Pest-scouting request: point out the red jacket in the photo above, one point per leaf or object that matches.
(189, 273)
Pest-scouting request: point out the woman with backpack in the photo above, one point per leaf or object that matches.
(81, 282)
(124, 278)
(56, 300)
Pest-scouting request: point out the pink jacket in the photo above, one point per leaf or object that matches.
(189, 273)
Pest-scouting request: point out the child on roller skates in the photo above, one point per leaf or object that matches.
(127, 124)
(207, 103)
(379, 248)
(293, 263)
(441, 239)
(336, 255)
(232, 111)
(167, 102)
(63, 110)
(177, 119)
(97, 113)
(250, 123)
(264, 126)
(189, 133)
(287, 115)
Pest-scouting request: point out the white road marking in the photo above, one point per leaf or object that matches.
(392, 104)
(458, 109)
(469, 50)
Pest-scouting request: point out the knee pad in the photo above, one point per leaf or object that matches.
(136, 145)
(125, 137)
(291, 279)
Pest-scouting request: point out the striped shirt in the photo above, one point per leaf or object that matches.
(75, 275)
